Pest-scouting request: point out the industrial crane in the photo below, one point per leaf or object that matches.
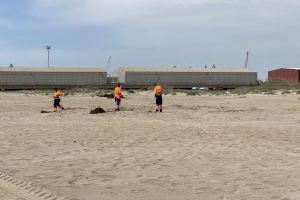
(108, 66)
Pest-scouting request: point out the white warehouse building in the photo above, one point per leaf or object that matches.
(22, 77)
(186, 77)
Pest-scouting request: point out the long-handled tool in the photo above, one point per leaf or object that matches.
(152, 105)
(61, 104)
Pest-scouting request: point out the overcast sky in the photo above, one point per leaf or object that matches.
(151, 33)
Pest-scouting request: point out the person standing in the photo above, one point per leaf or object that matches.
(158, 91)
(117, 96)
(57, 94)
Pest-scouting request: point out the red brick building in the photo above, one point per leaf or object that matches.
(287, 74)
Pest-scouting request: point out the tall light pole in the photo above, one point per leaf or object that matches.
(48, 47)
(247, 59)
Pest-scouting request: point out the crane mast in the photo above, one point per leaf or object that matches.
(108, 66)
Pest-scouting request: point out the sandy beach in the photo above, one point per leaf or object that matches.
(227, 147)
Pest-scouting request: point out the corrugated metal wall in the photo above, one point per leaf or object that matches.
(292, 75)
(52, 78)
(192, 78)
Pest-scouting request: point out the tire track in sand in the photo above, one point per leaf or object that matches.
(25, 190)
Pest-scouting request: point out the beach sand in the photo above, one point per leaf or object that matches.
(227, 147)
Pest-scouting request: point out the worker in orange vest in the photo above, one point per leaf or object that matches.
(56, 101)
(158, 91)
(117, 96)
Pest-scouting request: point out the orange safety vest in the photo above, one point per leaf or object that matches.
(57, 94)
(158, 89)
(118, 92)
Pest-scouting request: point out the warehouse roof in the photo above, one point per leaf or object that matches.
(296, 68)
(181, 69)
(51, 69)
(284, 68)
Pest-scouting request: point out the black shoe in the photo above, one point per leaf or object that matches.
(156, 110)
(160, 110)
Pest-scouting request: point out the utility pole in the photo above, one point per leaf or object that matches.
(247, 59)
(48, 48)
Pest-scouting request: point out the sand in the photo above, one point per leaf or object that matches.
(201, 147)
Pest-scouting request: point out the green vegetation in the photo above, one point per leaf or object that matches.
(269, 87)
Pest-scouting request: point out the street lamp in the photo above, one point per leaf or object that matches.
(48, 48)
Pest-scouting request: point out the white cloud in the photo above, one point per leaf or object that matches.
(5, 23)
(95, 12)
(106, 12)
